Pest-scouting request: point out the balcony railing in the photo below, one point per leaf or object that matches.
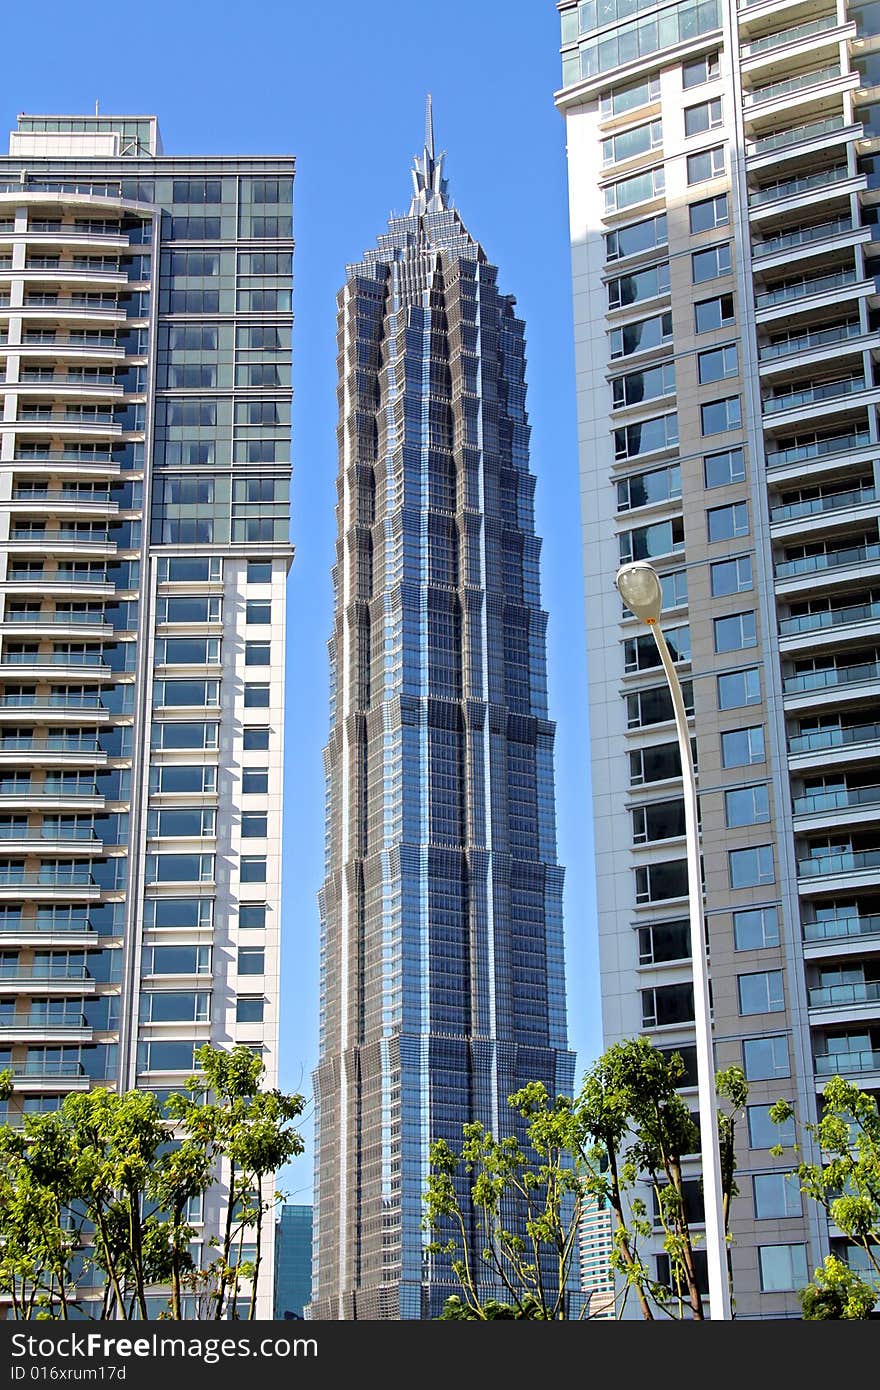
(68, 577)
(842, 861)
(802, 289)
(791, 84)
(861, 992)
(54, 743)
(830, 928)
(813, 395)
(827, 559)
(827, 502)
(51, 702)
(68, 877)
(89, 659)
(816, 231)
(803, 342)
(784, 36)
(837, 800)
(832, 1063)
(31, 975)
(831, 676)
(795, 135)
(64, 494)
(818, 448)
(61, 619)
(828, 617)
(47, 923)
(841, 737)
(787, 188)
(45, 1067)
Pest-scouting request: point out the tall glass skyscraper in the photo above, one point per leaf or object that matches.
(145, 330)
(723, 177)
(442, 985)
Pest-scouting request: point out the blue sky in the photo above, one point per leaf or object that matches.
(342, 86)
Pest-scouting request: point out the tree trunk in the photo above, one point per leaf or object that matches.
(623, 1246)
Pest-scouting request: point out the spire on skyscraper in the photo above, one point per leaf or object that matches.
(429, 185)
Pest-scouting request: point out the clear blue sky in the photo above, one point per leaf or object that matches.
(342, 86)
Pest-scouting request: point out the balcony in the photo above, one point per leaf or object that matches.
(843, 861)
(834, 1063)
(48, 1068)
(833, 996)
(41, 493)
(813, 395)
(785, 36)
(53, 743)
(824, 503)
(828, 618)
(828, 559)
(840, 736)
(845, 927)
(805, 342)
(804, 183)
(832, 676)
(804, 288)
(803, 236)
(794, 135)
(822, 446)
(803, 81)
(829, 800)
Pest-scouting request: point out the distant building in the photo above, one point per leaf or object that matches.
(595, 1243)
(293, 1261)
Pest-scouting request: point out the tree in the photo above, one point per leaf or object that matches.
(845, 1181)
(103, 1185)
(628, 1123)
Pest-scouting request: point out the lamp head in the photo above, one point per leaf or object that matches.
(640, 590)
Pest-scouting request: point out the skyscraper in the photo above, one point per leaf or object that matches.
(723, 197)
(145, 331)
(293, 1261)
(442, 986)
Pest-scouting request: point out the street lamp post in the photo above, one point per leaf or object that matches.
(639, 587)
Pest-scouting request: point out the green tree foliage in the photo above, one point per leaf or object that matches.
(628, 1123)
(845, 1181)
(96, 1193)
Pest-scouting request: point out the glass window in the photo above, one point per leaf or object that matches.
(783, 1267)
(709, 213)
(621, 99)
(717, 364)
(641, 284)
(763, 1133)
(254, 781)
(659, 820)
(667, 1004)
(731, 576)
(725, 523)
(657, 882)
(249, 1009)
(257, 653)
(627, 144)
(640, 653)
(761, 992)
(645, 542)
(706, 115)
(254, 825)
(252, 868)
(251, 960)
(258, 611)
(636, 238)
(765, 1059)
(643, 386)
(735, 632)
(776, 1195)
(755, 928)
(255, 737)
(259, 571)
(654, 705)
(636, 189)
(718, 416)
(256, 696)
(665, 941)
(699, 70)
(641, 335)
(185, 735)
(723, 468)
(738, 688)
(645, 489)
(714, 313)
(742, 747)
(661, 432)
(705, 164)
(752, 867)
(251, 916)
(747, 805)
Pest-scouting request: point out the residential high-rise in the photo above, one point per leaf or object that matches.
(442, 986)
(145, 334)
(293, 1261)
(595, 1246)
(723, 196)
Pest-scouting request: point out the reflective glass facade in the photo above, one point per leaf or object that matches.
(442, 964)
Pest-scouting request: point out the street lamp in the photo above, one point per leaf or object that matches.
(640, 590)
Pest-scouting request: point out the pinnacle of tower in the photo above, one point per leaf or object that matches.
(429, 185)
